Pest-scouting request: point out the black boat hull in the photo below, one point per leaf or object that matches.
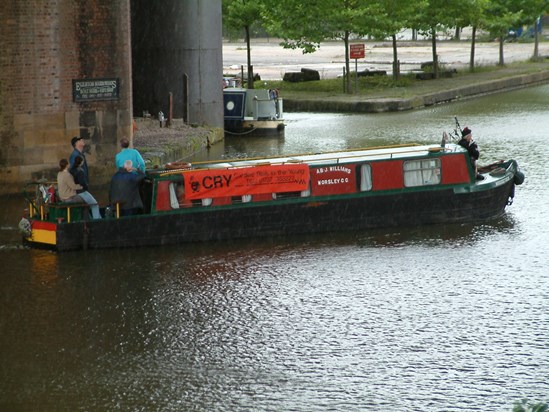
(290, 216)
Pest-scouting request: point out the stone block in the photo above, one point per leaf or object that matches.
(72, 122)
(23, 121)
(33, 155)
(425, 76)
(32, 138)
(293, 77)
(49, 121)
(368, 73)
(310, 75)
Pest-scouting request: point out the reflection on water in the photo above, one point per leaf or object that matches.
(438, 235)
(432, 318)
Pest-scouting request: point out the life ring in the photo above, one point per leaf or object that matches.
(178, 166)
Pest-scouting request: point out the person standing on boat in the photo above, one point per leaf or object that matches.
(128, 153)
(470, 145)
(124, 189)
(78, 150)
(80, 178)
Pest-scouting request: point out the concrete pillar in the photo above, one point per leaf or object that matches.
(174, 40)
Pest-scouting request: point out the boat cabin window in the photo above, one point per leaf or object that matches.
(421, 172)
(177, 196)
(365, 178)
(286, 195)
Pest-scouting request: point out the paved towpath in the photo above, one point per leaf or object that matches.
(271, 61)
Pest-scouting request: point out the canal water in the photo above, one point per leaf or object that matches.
(437, 318)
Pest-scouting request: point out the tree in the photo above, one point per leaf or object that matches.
(501, 15)
(531, 10)
(305, 26)
(472, 15)
(438, 15)
(393, 16)
(244, 14)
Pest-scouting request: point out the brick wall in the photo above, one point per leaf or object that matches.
(44, 46)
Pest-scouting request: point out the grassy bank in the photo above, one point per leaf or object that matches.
(384, 87)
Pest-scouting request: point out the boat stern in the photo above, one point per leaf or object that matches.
(39, 233)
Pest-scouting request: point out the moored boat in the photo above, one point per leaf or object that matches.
(256, 112)
(346, 190)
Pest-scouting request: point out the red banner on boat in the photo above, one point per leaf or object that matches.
(331, 180)
(240, 181)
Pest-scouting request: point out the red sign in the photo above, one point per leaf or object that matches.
(331, 180)
(211, 183)
(356, 51)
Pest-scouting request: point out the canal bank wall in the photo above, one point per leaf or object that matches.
(160, 145)
(364, 104)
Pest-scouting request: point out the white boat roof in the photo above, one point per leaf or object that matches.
(341, 157)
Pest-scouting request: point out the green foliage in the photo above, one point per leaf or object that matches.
(304, 25)
(335, 86)
(320, 86)
(500, 16)
(525, 406)
(241, 13)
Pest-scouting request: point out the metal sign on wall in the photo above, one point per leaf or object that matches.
(85, 90)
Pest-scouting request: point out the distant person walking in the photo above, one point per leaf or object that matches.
(128, 153)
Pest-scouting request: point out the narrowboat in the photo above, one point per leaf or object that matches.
(256, 197)
(255, 112)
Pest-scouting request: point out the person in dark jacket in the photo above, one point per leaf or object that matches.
(81, 178)
(78, 172)
(78, 145)
(470, 145)
(124, 190)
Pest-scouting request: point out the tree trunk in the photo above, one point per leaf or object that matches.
(536, 40)
(396, 65)
(501, 39)
(473, 41)
(249, 57)
(347, 63)
(435, 57)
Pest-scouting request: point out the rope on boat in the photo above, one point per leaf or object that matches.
(240, 134)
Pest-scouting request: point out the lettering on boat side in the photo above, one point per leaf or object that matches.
(331, 180)
(343, 169)
(210, 182)
(246, 181)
